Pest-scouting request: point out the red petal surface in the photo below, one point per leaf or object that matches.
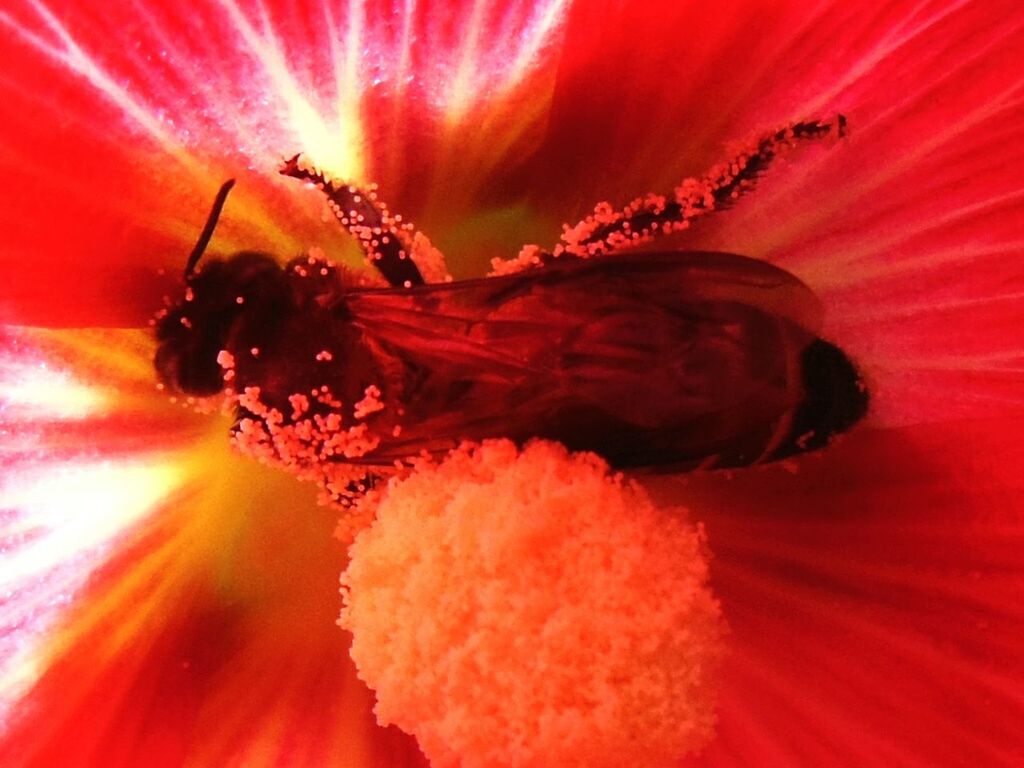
(874, 596)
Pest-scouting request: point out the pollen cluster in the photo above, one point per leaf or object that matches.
(386, 239)
(314, 441)
(608, 230)
(525, 609)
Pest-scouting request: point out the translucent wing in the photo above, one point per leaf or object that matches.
(656, 359)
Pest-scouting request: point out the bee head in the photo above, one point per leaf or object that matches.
(234, 304)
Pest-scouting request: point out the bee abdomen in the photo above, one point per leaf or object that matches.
(835, 398)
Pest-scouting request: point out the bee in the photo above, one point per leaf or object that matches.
(660, 359)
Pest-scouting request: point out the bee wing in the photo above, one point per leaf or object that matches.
(480, 318)
(650, 358)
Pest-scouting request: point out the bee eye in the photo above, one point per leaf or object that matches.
(188, 364)
(227, 304)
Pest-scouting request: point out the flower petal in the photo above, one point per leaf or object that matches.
(166, 600)
(908, 230)
(122, 122)
(873, 596)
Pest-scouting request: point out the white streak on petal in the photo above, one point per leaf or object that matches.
(57, 523)
(36, 390)
(65, 50)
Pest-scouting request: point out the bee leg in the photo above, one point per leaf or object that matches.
(645, 218)
(384, 238)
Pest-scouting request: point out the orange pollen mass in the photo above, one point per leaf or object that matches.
(519, 609)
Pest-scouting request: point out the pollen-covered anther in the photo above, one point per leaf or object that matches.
(324, 396)
(305, 442)
(300, 405)
(520, 609)
(225, 360)
(528, 256)
(371, 402)
(250, 400)
(607, 230)
(251, 438)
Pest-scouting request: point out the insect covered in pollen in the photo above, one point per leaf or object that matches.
(662, 359)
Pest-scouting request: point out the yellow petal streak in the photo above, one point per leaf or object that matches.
(63, 513)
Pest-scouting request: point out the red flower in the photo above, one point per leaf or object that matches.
(167, 603)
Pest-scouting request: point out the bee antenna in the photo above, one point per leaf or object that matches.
(211, 224)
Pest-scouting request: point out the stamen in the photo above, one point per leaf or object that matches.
(386, 240)
(607, 230)
(644, 218)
